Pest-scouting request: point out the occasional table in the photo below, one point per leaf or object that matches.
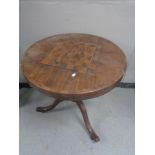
(74, 67)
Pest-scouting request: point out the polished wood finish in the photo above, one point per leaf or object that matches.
(74, 67)
(82, 108)
(92, 133)
(49, 107)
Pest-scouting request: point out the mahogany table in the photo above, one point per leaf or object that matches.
(74, 67)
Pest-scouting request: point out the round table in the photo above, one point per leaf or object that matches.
(74, 67)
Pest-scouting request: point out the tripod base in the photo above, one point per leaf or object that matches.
(82, 108)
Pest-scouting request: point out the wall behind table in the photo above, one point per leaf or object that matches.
(111, 19)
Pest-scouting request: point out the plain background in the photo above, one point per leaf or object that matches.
(145, 83)
(145, 76)
(111, 19)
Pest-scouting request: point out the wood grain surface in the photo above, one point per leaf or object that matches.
(77, 66)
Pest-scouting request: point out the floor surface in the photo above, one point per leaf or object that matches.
(62, 131)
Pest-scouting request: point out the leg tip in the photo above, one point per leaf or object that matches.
(95, 138)
(40, 109)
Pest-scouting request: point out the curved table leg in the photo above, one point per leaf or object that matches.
(92, 133)
(49, 107)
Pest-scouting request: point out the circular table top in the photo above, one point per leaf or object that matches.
(74, 65)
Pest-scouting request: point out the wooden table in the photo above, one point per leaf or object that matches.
(74, 67)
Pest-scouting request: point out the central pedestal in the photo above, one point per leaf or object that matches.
(82, 108)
